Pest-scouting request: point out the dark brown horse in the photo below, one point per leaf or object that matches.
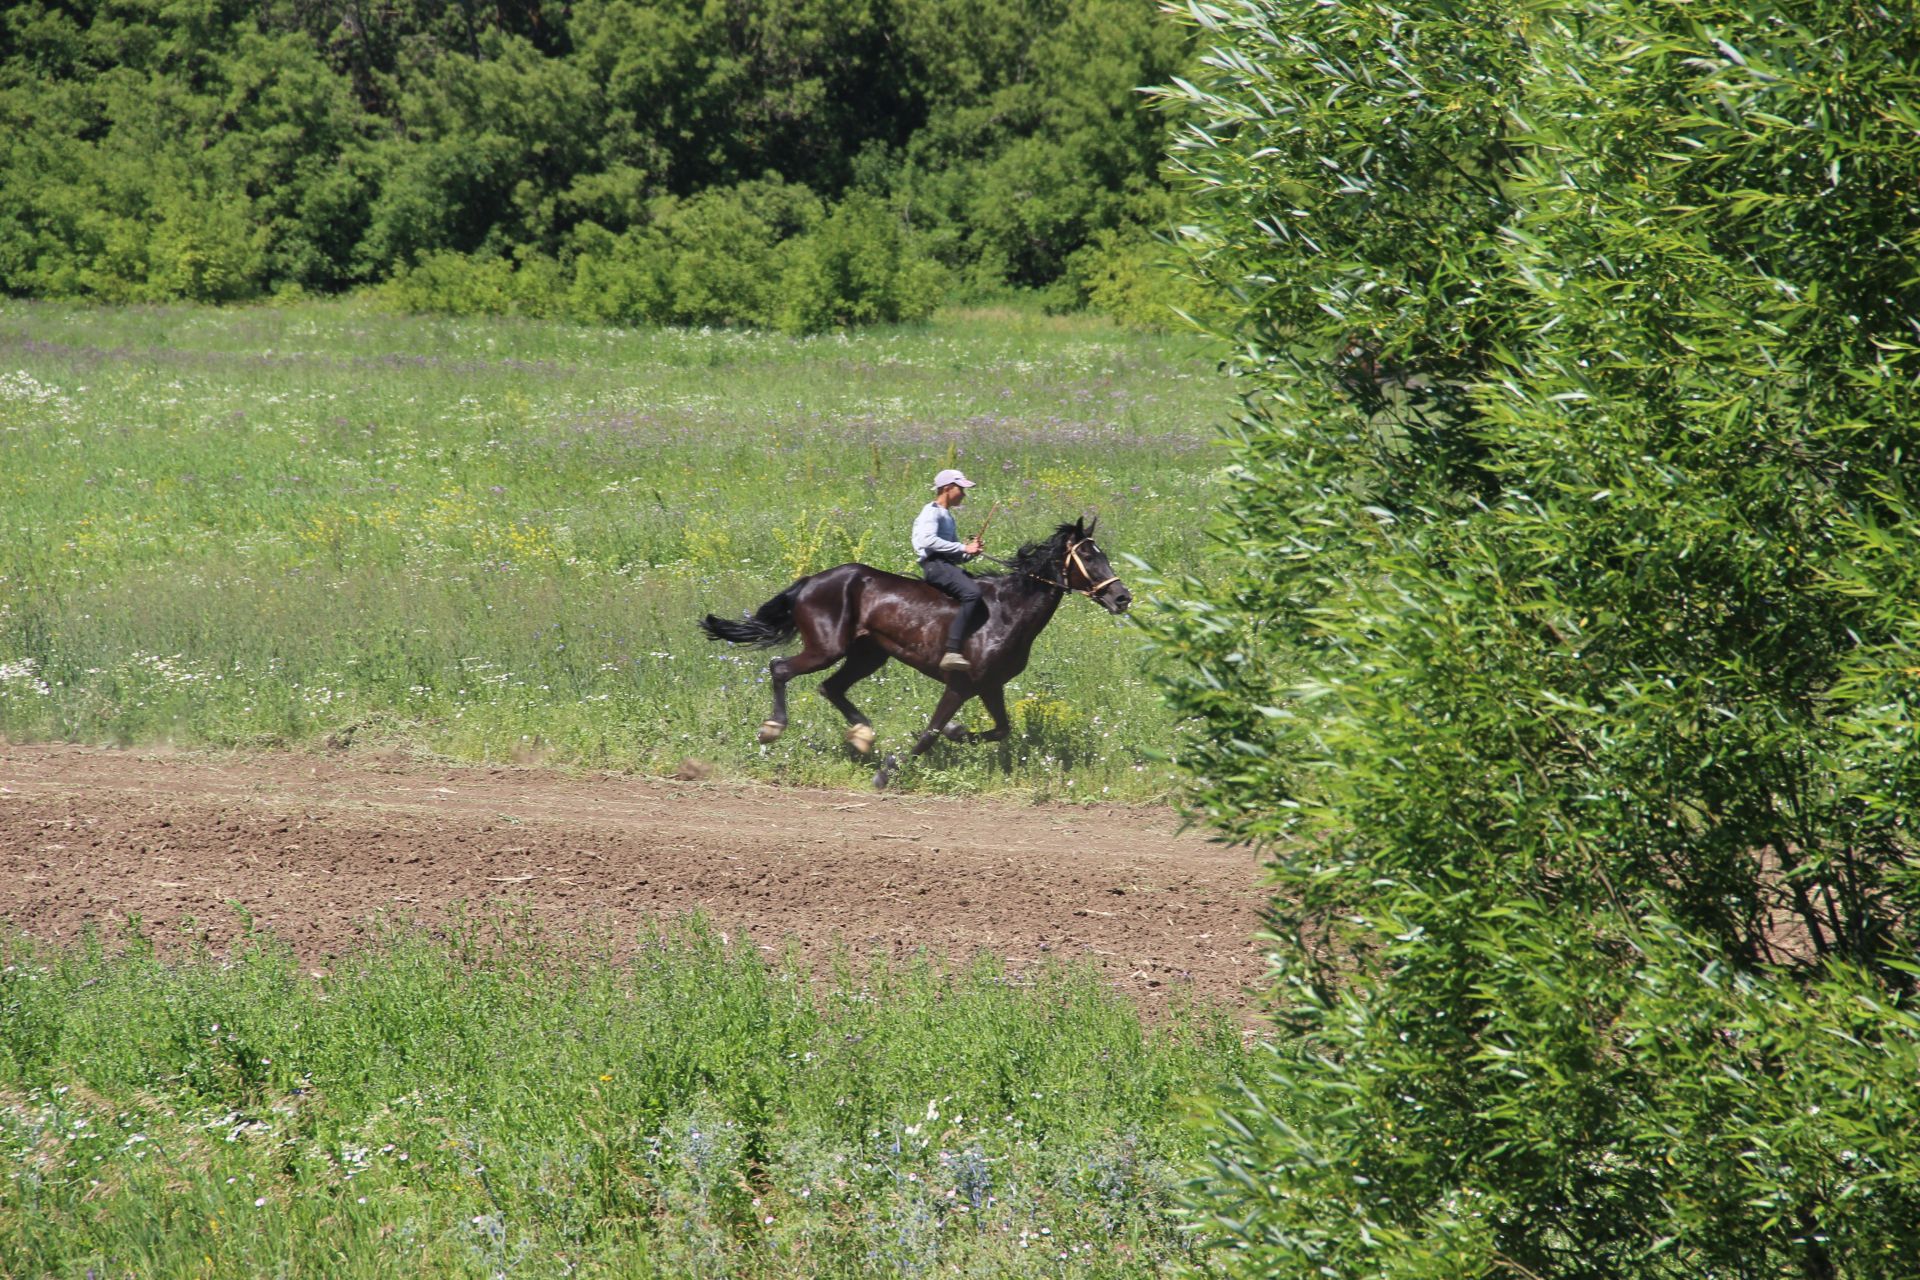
(860, 616)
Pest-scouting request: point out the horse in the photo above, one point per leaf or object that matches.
(860, 616)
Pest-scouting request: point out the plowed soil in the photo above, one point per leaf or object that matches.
(318, 848)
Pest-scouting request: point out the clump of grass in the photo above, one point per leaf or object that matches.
(490, 1102)
(489, 540)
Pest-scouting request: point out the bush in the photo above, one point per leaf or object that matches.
(619, 279)
(478, 285)
(714, 259)
(1136, 279)
(858, 267)
(1562, 657)
(726, 250)
(761, 254)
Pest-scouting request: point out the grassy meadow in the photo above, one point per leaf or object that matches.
(494, 1105)
(317, 525)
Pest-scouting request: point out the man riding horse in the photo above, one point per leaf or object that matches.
(936, 545)
(972, 635)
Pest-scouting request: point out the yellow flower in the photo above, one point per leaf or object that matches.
(606, 1077)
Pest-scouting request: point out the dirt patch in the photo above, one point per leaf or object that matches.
(315, 849)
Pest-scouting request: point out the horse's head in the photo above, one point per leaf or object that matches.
(1086, 568)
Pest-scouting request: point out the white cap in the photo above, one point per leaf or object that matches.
(950, 476)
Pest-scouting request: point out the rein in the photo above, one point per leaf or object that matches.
(1072, 557)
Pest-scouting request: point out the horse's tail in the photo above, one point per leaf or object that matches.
(772, 623)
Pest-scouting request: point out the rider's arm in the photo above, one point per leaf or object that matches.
(927, 539)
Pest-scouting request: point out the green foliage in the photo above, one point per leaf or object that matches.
(494, 1098)
(1565, 665)
(145, 176)
(857, 268)
(722, 252)
(1138, 280)
(457, 284)
(490, 142)
(761, 254)
(151, 151)
(1034, 138)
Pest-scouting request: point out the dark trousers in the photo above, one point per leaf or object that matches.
(953, 580)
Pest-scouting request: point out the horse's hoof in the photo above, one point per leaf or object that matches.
(954, 731)
(885, 775)
(860, 738)
(770, 731)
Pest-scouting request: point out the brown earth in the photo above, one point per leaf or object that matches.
(317, 847)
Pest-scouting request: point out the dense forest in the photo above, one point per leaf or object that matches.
(800, 162)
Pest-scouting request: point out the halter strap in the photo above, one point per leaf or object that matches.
(1073, 554)
(1072, 557)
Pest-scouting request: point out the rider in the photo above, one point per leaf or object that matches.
(935, 542)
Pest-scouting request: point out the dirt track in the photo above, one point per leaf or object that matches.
(314, 847)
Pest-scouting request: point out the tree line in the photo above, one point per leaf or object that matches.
(805, 162)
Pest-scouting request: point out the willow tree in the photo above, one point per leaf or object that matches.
(1562, 652)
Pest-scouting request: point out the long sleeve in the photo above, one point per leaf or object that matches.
(926, 535)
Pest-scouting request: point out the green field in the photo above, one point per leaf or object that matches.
(495, 1105)
(319, 525)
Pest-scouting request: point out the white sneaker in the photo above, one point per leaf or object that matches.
(955, 662)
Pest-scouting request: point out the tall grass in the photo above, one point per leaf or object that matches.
(489, 539)
(492, 1104)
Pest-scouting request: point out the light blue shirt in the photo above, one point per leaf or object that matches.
(935, 536)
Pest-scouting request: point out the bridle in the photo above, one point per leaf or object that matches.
(1072, 557)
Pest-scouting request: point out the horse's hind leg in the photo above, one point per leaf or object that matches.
(950, 703)
(782, 670)
(862, 661)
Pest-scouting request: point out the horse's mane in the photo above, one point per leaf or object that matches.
(1038, 559)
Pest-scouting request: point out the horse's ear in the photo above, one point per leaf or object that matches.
(1093, 521)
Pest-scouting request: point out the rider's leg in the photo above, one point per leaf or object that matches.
(951, 579)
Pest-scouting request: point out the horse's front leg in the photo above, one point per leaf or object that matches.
(995, 701)
(950, 703)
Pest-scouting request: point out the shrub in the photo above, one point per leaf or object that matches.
(1561, 659)
(1136, 279)
(760, 254)
(858, 267)
(726, 250)
(443, 283)
(620, 279)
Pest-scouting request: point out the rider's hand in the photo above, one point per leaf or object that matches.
(973, 546)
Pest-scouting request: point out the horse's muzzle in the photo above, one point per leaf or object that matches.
(1115, 599)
